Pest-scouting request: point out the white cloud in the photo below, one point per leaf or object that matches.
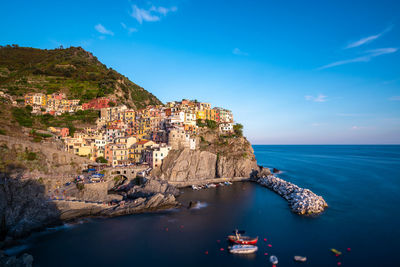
(370, 55)
(317, 124)
(238, 52)
(368, 39)
(152, 14)
(356, 128)
(101, 29)
(319, 98)
(395, 98)
(163, 10)
(129, 29)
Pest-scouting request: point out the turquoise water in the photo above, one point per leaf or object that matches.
(361, 184)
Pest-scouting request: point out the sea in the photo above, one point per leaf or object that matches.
(360, 183)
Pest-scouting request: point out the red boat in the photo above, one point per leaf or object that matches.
(243, 240)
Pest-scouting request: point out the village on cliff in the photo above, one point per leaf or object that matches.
(125, 136)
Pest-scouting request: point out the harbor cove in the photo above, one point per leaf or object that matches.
(351, 179)
(199, 133)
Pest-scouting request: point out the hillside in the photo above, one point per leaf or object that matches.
(72, 71)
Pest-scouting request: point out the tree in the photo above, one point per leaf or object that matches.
(101, 160)
(238, 129)
(29, 108)
(211, 124)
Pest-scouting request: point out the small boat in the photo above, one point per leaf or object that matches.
(243, 249)
(273, 259)
(337, 252)
(195, 187)
(300, 258)
(211, 185)
(227, 183)
(243, 240)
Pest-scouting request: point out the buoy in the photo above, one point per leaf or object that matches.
(222, 249)
(337, 255)
(265, 253)
(206, 252)
(181, 226)
(166, 229)
(269, 245)
(339, 263)
(218, 241)
(348, 249)
(265, 239)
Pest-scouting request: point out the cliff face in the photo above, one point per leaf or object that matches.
(23, 206)
(216, 157)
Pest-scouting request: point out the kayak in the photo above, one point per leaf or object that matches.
(243, 249)
(337, 252)
(273, 259)
(300, 258)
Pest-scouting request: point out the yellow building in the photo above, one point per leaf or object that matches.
(135, 153)
(200, 115)
(84, 151)
(44, 100)
(210, 114)
(130, 116)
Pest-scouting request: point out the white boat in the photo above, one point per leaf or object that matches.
(195, 187)
(243, 249)
(273, 259)
(211, 185)
(300, 258)
(227, 183)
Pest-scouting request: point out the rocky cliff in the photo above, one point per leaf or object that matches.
(23, 206)
(216, 157)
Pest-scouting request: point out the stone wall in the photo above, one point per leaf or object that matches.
(54, 162)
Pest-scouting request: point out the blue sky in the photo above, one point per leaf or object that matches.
(293, 72)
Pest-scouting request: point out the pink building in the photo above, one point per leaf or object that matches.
(97, 103)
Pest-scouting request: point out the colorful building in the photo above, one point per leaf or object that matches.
(97, 103)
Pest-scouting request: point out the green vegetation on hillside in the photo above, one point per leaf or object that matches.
(238, 129)
(22, 158)
(73, 71)
(208, 123)
(25, 118)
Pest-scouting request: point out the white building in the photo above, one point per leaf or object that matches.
(155, 155)
(226, 127)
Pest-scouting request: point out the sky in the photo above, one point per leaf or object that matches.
(292, 72)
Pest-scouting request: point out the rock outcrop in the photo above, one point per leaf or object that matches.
(151, 187)
(216, 157)
(71, 210)
(301, 201)
(24, 207)
(186, 164)
(25, 260)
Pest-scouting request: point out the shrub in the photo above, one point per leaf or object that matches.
(31, 156)
(101, 160)
(23, 116)
(238, 129)
(80, 186)
(211, 124)
(2, 132)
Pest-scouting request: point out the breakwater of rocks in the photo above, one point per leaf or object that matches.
(301, 201)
